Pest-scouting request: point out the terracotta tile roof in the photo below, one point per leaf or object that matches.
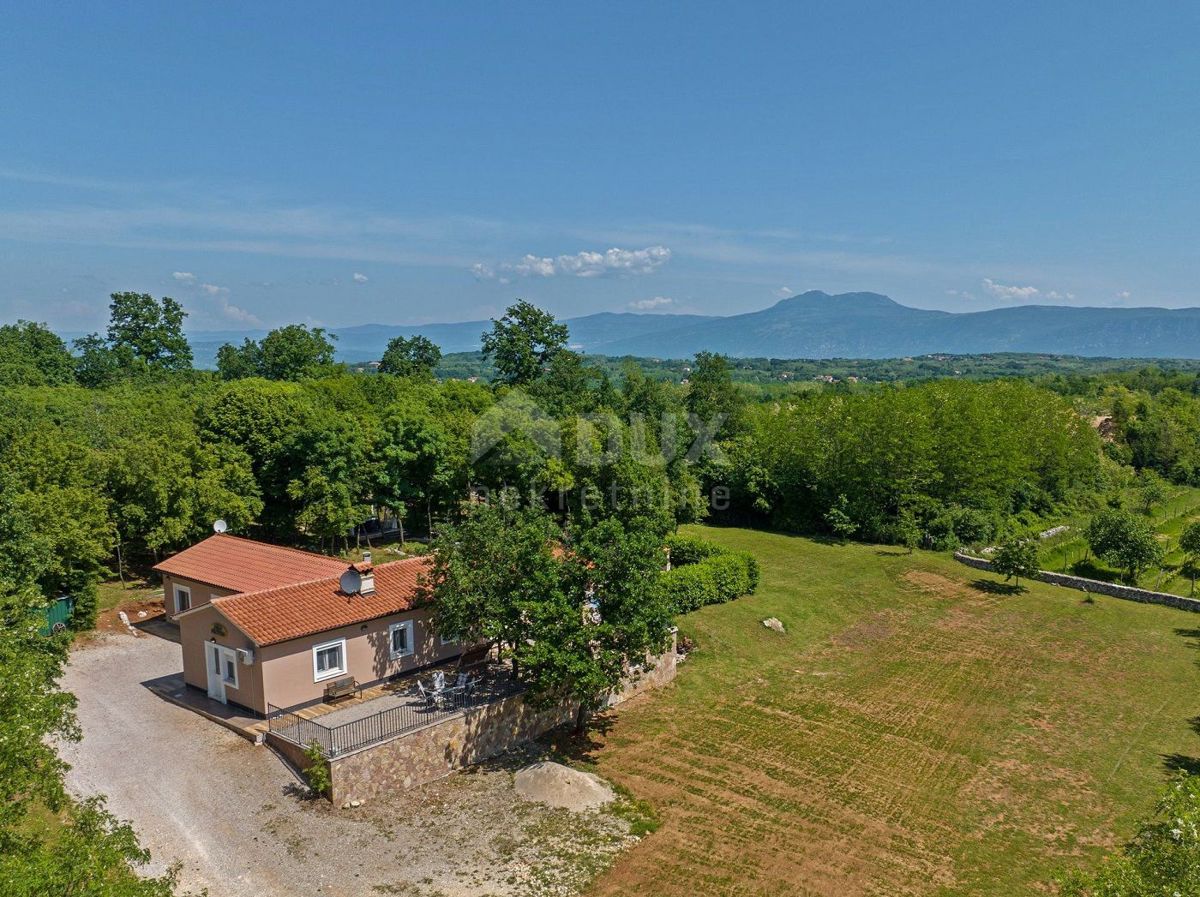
(307, 608)
(243, 565)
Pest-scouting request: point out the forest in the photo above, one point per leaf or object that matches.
(116, 451)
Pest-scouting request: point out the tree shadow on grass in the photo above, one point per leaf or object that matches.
(1189, 633)
(568, 747)
(991, 587)
(1182, 763)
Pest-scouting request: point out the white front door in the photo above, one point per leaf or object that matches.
(216, 683)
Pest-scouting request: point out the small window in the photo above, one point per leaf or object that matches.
(329, 660)
(183, 599)
(444, 640)
(400, 638)
(229, 669)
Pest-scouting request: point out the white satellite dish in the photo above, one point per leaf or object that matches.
(219, 526)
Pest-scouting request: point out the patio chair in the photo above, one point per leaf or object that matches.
(428, 698)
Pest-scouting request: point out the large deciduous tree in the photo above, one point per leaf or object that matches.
(414, 356)
(522, 343)
(286, 353)
(32, 355)
(145, 336)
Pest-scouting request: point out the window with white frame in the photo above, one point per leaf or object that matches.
(400, 639)
(329, 660)
(444, 640)
(183, 599)
(229, 671)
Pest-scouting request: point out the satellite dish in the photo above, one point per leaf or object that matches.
(350, 582)
(219, 526)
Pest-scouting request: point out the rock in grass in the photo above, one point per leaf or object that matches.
(774, 624)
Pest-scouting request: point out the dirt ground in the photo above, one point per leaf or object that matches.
(242, 826)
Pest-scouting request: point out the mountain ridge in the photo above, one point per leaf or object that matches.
(816, 324)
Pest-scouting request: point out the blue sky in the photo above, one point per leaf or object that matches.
(404, 163)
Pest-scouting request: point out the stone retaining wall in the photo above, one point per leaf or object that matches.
(1099, 587)
(438, 749)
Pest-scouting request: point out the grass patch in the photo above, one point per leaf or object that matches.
(911, 733)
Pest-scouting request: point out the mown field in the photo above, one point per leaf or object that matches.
(916, 731)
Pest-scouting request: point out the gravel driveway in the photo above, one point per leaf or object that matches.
(232, 814)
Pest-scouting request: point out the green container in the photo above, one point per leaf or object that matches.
(58, 615)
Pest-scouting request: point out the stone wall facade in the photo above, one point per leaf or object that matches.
(438, 749)
(1096, 586)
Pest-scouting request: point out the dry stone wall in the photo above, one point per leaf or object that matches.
(1096, 586)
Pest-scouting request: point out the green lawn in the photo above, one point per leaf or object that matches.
(914, 732)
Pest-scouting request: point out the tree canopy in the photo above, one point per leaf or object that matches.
(414, 356)
(523, 342)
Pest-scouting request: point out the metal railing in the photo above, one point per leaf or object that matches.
(386, 724)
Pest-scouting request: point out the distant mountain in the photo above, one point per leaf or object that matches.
(818, 325)
(366, 342)
(868, 325)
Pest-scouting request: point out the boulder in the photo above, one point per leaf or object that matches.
(774, 624)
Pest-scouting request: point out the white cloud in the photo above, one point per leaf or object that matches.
(1124, 294)
(360, 278)
(236, 312)
(1012, 293)
(213, 290)
(656, 302)
(184, 276)
(783, 292)
(581, 264)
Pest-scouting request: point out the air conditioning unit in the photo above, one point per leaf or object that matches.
(245, 656)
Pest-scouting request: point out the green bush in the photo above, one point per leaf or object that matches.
(687, 588)
(715, 576)
(685, 550)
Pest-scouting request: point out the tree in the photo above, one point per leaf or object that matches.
(489, 570)
(1124, 540)
(1189, 544)
(414, 356)
(908, 531)
(95, 363)
(32, 355)
(712, 395)
(239, 362)
(1163, 858)
(609, 615)
(838, 519)
(294, 352)
(573, 619)
(1017, 558)
(145, 336)
(522, 343)
(1152, 488)
(89, 853)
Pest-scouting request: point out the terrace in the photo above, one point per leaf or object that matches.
(389, 711)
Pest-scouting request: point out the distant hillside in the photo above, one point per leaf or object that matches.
(818, 325)
(868, 325)
(366, 342)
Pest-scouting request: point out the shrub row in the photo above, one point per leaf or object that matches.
(703, 573)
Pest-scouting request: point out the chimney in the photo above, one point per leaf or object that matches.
(366, 573)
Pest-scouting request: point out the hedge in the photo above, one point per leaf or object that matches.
(709, 575)
(685, 550)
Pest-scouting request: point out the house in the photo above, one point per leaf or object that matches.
(261, 625)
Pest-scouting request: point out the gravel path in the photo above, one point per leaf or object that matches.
(233, 815)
